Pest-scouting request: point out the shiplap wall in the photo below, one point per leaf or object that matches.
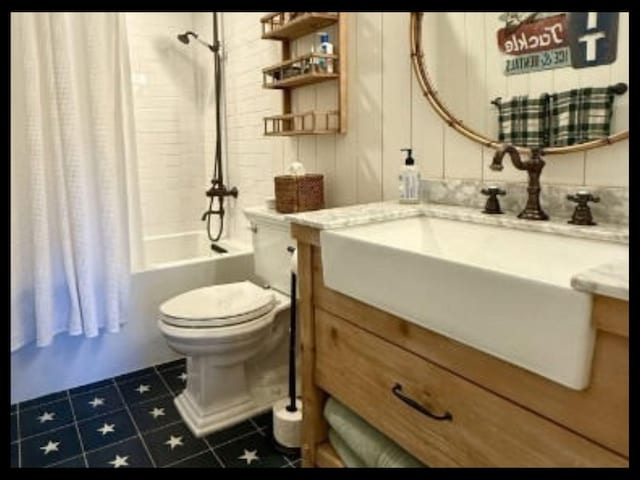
(386, 112)
(466, 69)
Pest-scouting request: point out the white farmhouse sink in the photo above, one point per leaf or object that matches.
(503, 291)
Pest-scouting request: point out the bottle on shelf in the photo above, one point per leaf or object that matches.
(325, 64)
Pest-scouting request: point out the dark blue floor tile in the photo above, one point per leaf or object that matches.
(176, 378)
(250, 452)
(143, 389)
(40, 400)
(204, 460)
(268, 434)
(264, 419)
(230, 433)
(97, 402)
(14, 408)
(130, 453)
(75, 462)
(92, 386)
(14, 455)
(181, 362)
(45, 417)
(172, 444)
(106, 429)
(50, 447)
(132, 375)
(155, 413)
(14, 428)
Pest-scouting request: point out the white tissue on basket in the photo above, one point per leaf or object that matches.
(296, 168)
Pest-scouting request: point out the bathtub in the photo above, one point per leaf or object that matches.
(188, 248)
(174, 264)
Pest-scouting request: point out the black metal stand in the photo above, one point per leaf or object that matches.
(292, 365)
(292, 348)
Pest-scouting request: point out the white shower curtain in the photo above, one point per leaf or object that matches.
(74, 212)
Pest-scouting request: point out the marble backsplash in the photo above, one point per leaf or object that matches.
(612, 208)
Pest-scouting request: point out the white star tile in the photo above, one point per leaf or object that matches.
(174, 441)
(157, 412)
(96, 402)
(50, 447)
(46, 417)
(249, 456)
(183, 376)
(107, 428)
(119, 461)
(143, 388)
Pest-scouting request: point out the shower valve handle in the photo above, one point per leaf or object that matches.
(222, 192)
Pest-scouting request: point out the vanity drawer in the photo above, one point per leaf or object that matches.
(371, 375)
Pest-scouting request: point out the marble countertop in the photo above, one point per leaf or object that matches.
(610, 279)
(339, 217)
(332, 218)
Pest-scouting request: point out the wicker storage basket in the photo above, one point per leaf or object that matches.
(299, 193)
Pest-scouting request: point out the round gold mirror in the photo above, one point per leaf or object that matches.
(419, 31)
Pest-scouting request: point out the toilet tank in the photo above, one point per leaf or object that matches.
(270, 237)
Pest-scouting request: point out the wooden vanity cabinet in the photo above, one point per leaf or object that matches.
(500, 414)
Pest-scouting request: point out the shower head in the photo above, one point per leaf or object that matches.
(184, 38)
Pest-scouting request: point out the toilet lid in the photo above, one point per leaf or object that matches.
(218, 305)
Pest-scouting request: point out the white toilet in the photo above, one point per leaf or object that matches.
(222, 327)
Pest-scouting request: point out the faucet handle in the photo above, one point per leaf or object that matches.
(583, 197)
(493, 190)
(493, 205)
(582, 213)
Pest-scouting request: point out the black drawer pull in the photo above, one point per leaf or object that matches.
(396, 390)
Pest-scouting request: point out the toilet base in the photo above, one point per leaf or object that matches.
(202, 424)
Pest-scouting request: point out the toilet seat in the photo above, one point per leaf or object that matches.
(218, 306)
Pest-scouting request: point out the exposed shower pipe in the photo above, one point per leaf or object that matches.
(218, 188)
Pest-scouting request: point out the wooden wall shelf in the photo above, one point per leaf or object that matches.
(306, 123)
(292, 25)
(306, 69)
(302, 70)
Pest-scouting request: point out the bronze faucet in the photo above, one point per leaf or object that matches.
(533, 166)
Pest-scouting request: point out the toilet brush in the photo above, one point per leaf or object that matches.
(287, 413)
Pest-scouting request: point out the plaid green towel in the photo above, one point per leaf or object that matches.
(580, 115)
(524, 121)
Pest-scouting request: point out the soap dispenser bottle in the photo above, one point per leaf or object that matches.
(409, 180)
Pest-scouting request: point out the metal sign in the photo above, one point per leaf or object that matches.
(535, 41)
(557, 58)
(534, 36)
(593, 38)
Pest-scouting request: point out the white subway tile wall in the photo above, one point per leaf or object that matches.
(173, 119)
(250, 155)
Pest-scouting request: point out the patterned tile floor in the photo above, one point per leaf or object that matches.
(131, 421)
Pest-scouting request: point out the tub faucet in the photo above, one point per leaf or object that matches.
(533, 166)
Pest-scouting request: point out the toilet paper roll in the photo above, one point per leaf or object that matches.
(286, 425)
